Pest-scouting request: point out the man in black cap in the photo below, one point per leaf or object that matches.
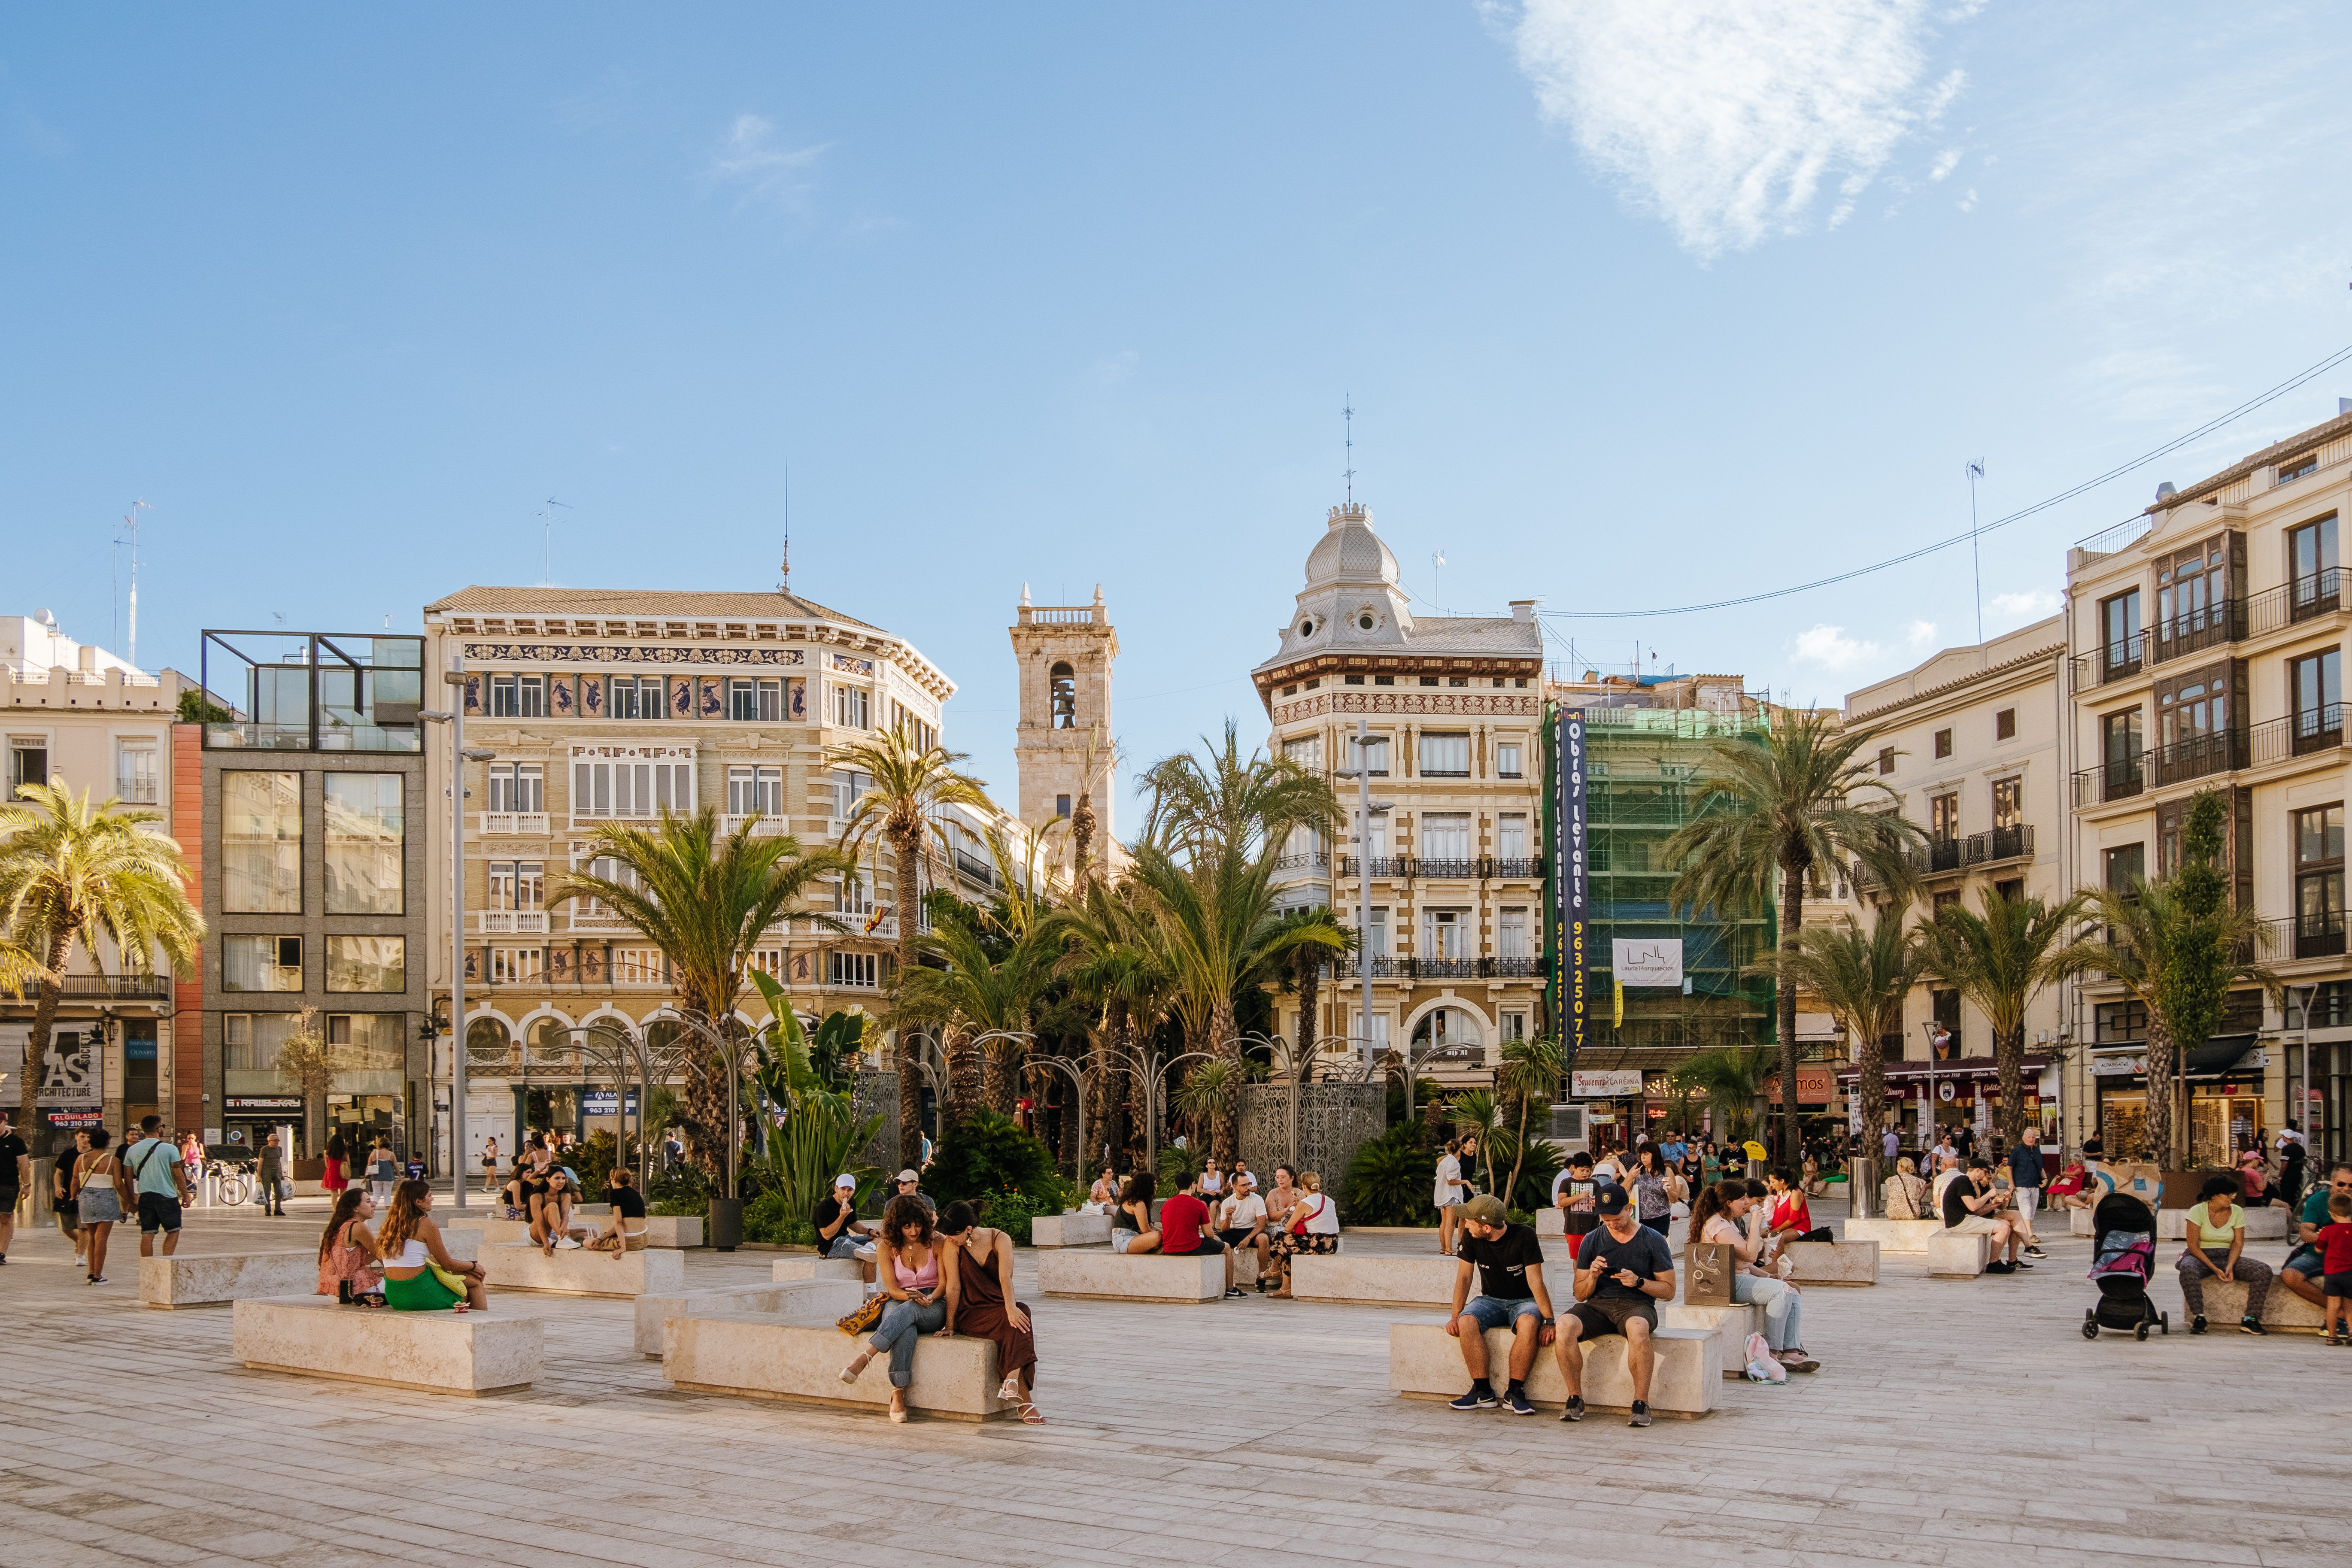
(1508, 1264)
(1621, 1270)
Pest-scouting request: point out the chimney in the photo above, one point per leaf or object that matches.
(1523, 609)
(2165, 491)
(89, 659)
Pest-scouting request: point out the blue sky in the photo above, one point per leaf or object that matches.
(1638, 304)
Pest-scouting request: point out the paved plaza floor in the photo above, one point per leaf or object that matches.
(1953, 1423)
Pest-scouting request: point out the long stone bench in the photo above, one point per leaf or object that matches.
(2225, 1302)
(813, 1267)
(798, 1300)
(1387, 1281)
(1070, 1230)
(519, 1266)
(771, 1358)
(1834, 1262)
(1957, 1254)
(216, 1279)
(2265, 1223)
(1425, 1361)
(439, 1352)
(1731, 1324)
(1131, 1277)
(1893, 1235)
(661, 1230)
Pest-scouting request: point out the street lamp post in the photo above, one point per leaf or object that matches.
(1936, 1038)
(455, 717)
(1365, 810)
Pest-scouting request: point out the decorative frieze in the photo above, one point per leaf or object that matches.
(1462, 704)
(599, 653)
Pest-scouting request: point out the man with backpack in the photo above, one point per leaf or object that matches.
(162, 1186)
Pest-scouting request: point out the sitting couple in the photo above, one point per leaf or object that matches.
(943, 1276)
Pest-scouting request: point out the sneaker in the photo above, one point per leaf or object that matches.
(1998, 1266)
(1796, 1361)
(2017, 1263)
(1516, 1400)
(1575, 1410)
(1233, 1290)
(1480, 1397)
(567, 1244)
(2197, 1325)
(2251, 1326)
(2035, 1252)
(1641, 1416)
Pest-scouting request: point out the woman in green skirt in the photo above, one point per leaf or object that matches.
(419, 1275)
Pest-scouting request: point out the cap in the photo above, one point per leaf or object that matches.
(1485, 1209)
(844, 1180)
(1610, 1199)
(908, 1176)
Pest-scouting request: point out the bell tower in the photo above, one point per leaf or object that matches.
(1064, 654)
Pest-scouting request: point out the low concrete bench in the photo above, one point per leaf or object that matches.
(661, 1229)
(1834, 1262)
(796, 1300)
(1070, 1230)
(2225, 1302)
(439, 1352)
(1131, 1277)
(1893, 1235)
(1957, 1254)
(1731, 1325)
(2265, 1223)
(216, 1279)
(810, 1267)
(520, 1266)
(1425, 1363)
(1385, 1281)
(769, 1358)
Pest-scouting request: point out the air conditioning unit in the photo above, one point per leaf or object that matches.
(1567, 1126)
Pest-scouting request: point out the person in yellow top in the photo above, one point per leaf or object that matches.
(2216, 1233)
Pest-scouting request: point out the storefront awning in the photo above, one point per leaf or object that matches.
(2218, 1054)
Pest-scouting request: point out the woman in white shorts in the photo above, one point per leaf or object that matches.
(1451, 1192)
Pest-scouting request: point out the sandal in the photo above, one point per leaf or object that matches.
(1009, 1390)
(856, 1367)
(1030, 1414)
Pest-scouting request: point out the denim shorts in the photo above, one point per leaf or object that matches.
(842, 1246)
(1494, 1312)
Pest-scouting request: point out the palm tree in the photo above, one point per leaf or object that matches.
(1226, 802)
(1110, 959)
(71, 871)
(707, 901)
(1098, 758)
(1530, 1067)
(911, 785)
(1306, 962)
(976, 987)
(1862, 980)
(1732, 1078)
(1782, 802)
(2000, 960)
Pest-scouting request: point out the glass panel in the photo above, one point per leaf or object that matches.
(366, 834)
(262, 843)
(134, 774)
(1511, 836)
(250, 964)
(1445, 756)
(1445, 836)
(1506, 760)
(367, 964)
(369, 1053)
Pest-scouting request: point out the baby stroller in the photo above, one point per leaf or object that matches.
(2123, 1256)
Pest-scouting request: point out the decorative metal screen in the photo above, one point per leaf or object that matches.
(1332, 1120)
(877, 1094)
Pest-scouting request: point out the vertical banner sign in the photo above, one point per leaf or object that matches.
(1571, 911)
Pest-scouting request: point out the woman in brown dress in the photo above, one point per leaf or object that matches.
(978, 1274)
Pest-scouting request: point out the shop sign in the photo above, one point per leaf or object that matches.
(265, 1103)
(74, 1120)
(604, 1103)
(2118, 1066)
(70, 1076)
(1604, 1085)
(1647, 961)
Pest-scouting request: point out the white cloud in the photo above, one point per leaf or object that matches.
(1725, 117)
(1921, 636)
(2032, 605)
(1946, 162)
(749, 161)
(1831, 648)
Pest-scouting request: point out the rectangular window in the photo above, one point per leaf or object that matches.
(262, 843)
(1944, 817)
(1514, 1026)
(135, 773)
(624, 788)
(2121, 1022)
(1508, 759)
(367, 964)
(1377, 941)
(635, 697)
(261, 963)
(753, 789)
(2010, 889)
(518, 884)
(2123, 867)
(640, 966)
(1062, 806)
(2296, 468)
(2004, 724)
(1445, 756)
(1445, 933)
(848, 789)
(2121, 745)
(1445, 835)
(1511, 835)
(533, 693)
(1885, 760)
(2317, 684)
(249, 1043)
(857, 969)
(1947, 1016)
(2192, 592)
(368, 1051)
(1943, 743)
(2008, 803)
(519, 787)
(514, 965)
(1511, 934)
(1371, 755)
(504, 704)
(2318, 882)
(2119, 647)
(851, 707)
(366, 839)
(2312, 567)
(1306, 751)
(28, 762)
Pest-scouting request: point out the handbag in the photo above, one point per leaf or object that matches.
(868, 1314)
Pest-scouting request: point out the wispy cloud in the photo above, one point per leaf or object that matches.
(2017, 609)
(749, 162)
(1829, 648)
(1726, 118)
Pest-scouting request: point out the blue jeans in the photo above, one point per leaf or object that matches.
(1783, 1310)
(842, 1246)
(1494, 1313)
(903, 1324)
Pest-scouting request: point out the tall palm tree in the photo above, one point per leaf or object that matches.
(74, 872)
(1530, 1067)
(1306, 962)
(706, 900)
(911, 784)
(1098, 759)
(2001, 959)
(1780, 803)
(1862, 979)
(1223, 800)
(1108, 959)
(1732, 1077)
(971, 991)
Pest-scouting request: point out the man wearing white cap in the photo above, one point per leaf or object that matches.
(909, 1186)
(839, 1232)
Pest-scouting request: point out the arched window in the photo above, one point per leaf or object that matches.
(1065, 697)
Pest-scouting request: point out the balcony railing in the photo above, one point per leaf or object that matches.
(1383, 865)
(1313, 860)
(2299, 734)
(1999, 844)
(1455, 869)
(1484, 868)
(2123, 777)
(2320, 594)
(1440, 968)
(976, 869)
(515, 922)
(762, 827)
(2297, 936)
(2115, 660)
(1520, 866)
(525, 822)
(2200, 629)
(117, 987)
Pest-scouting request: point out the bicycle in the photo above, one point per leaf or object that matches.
(236, 1183)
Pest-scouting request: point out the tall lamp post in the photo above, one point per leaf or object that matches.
(1365, 809)
(455, 675)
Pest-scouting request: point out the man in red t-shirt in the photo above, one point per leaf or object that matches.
(1184, 1230)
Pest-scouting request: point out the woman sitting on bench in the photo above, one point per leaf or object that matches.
(626, 1233)
(550, 1219)
(419, 1275)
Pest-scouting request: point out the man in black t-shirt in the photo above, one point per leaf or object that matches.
(1621, 1270)
(839, 1232)
(16, 1175)
(1970, 1206)
(1508, 1263)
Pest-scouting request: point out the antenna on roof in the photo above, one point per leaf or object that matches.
(130, 518)
(1348, 412)
(784, 566)
(547, 539)
(1975, 472)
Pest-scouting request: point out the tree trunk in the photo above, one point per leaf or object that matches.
(44, 1017)
(1310, 987)
(1521, 1158)
(2159, 1095)
(2009, 1050)
(1082, 838)
(963, 1072)
(1107, 1121)
(1792, 918)
(1870, 1057)
(908, 859)
(1074, 1153)
(1003, 1075)
(1224, 1135)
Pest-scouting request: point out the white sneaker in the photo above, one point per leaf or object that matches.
(566, 1242)
(1785, 1266)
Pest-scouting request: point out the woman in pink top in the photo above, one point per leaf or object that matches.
(907, 1262)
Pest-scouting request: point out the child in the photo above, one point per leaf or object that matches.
(2335, 1244)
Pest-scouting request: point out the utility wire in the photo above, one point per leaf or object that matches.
(2281, 390)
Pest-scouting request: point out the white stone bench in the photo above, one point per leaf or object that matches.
(1070, 1230)
(2265, 1223)
(2225, 1302)
(216, 1279)
(1385, 1281)
(1731, 1324)
(771, 1358)
(661, 1229)
(439, 1352)
(1959, 1255)
(1893, 1235)
(1131, 1276)
(1425, 1361)
(810, 1267)
(1834, 1262)
(796, 1300)
(520, 1266)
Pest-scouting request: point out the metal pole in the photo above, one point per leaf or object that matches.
(455, 677)
(1364, 890)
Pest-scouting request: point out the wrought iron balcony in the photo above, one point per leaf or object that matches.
(1998, 844)
(115, 987)
(1313, 860)
(1351, 968)
(2298, 735)
(2320, 594)
(2120, 778)
(1463, 869)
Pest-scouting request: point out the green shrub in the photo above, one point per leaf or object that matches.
(1178, 1166)
(594, 1160)
(1012, 1212)
(1534, 1191)
(766, 1219)
(1390, 1180)
(680, 1190)
(985, 1155)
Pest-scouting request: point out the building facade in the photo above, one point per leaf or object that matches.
(2206, 643)
(1445, 714)
(77, 717)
